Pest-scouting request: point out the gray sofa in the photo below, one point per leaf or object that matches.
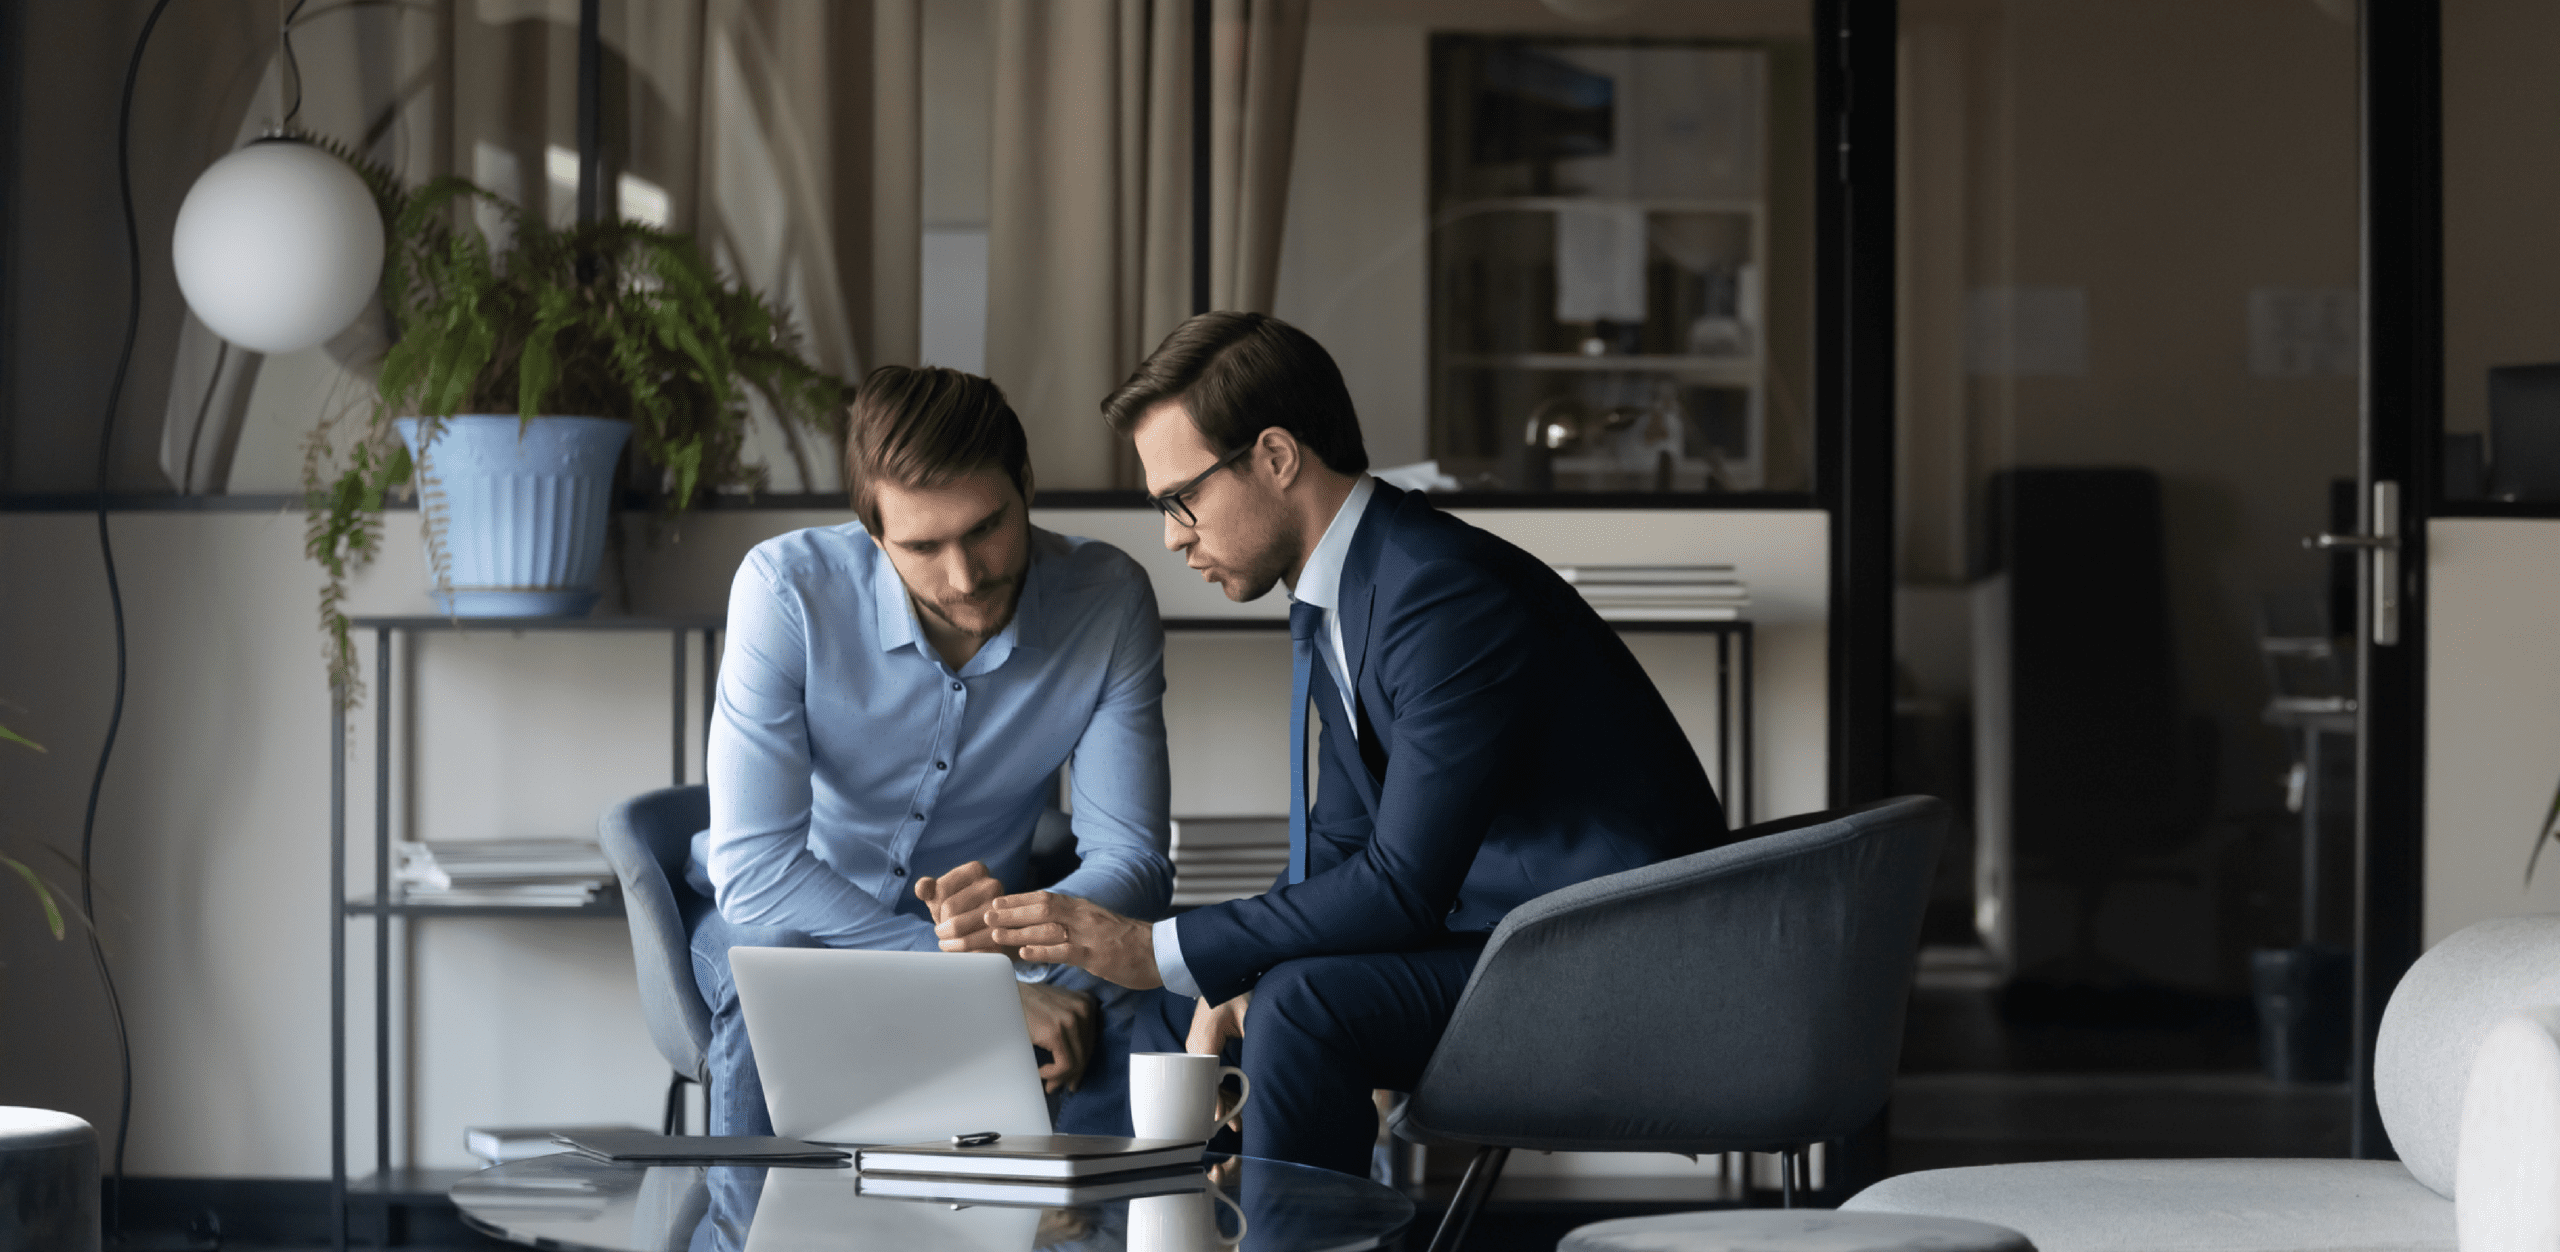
(2483, 983)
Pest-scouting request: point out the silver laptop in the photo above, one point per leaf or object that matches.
(888, 1047)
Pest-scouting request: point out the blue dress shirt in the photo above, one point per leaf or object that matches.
(1319, 584)
(846, 758)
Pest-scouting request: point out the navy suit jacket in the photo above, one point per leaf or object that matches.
(1509, 745)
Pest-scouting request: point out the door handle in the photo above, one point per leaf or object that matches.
(2383, 547)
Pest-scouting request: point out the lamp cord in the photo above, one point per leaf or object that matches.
(289, 65)
(115, 602)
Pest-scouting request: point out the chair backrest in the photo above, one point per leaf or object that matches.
(648, 839)
(2442, 1009)
(1742, 998)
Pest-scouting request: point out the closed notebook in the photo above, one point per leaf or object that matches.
(640, 1146)
(1032, 1156)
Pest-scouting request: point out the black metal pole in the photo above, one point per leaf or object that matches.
(710, 692)
(2403, 420)
(337, 973)
(1854, 74)
(1725, 724)
(590, 111)
(1200, 155)
(1750, 730)
(382, 927)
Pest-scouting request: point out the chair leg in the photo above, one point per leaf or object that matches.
(673, 1122)
(1482, 1172)
(1787, 1158)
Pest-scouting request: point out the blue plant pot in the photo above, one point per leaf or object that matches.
(518, 509)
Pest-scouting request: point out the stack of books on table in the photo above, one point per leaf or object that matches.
(1660, 593)
(523, 873)
(1216, 859)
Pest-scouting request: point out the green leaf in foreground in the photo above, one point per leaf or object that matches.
(44, 894)
(14, 737)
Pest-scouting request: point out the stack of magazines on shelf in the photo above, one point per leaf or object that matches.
(525, 873)
(1216, 859)
(1660, 593)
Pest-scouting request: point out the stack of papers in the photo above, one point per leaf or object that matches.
(1660, 593)
(500, 1144)
(528, 873)
(1216, 859)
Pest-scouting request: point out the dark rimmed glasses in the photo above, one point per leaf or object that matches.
(1172, 504)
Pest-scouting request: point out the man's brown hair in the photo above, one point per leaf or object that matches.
(1239, 374)
(923, 427)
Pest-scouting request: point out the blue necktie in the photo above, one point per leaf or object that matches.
(1302, 658)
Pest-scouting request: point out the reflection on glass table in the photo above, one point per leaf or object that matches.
(571, 1202)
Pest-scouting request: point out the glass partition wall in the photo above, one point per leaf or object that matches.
(2127, 354)
(1564, 249)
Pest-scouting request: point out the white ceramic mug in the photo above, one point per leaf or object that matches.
(1174, 1095)
(1185, 1222)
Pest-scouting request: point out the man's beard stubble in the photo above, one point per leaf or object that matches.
(1005, 593)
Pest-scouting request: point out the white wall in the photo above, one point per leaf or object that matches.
(1354, 250)
(2493, 717)
(212, 836)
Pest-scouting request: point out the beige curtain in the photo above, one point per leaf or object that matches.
(753, 124)
(787, 201)
(1256, 48)
(1089, 233)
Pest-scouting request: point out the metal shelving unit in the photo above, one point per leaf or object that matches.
(1480, 389)
(1734, 689)
(388, 1186)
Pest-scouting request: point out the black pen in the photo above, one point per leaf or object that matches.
(978, 1140)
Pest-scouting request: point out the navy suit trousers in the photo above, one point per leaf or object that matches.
(1098, 1106)
(1322, 1033)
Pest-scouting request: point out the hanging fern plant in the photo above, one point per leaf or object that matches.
(607, 319)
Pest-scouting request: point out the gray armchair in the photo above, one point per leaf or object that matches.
(647, 839)
(1746, 998)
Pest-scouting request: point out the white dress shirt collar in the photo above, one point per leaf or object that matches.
(1320, 580)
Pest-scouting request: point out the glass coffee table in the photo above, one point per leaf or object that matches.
(569, 1201)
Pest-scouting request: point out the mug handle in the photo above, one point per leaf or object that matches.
(1241, 1097)
(1227, 1241)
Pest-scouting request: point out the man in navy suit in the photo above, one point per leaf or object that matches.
(1486, 739)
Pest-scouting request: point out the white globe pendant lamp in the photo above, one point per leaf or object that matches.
(278, 246)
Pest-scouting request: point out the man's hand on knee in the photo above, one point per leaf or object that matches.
(1213, 1025)
(1064, 1022)
(1069, 930)
(959, 901)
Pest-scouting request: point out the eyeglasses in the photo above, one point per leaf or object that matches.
(1172, 504)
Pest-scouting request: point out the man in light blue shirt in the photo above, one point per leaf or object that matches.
(897, 695)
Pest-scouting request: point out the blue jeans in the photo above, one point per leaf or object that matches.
(1098, 1106)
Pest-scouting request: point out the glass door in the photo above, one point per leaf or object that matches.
(2128, 384)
